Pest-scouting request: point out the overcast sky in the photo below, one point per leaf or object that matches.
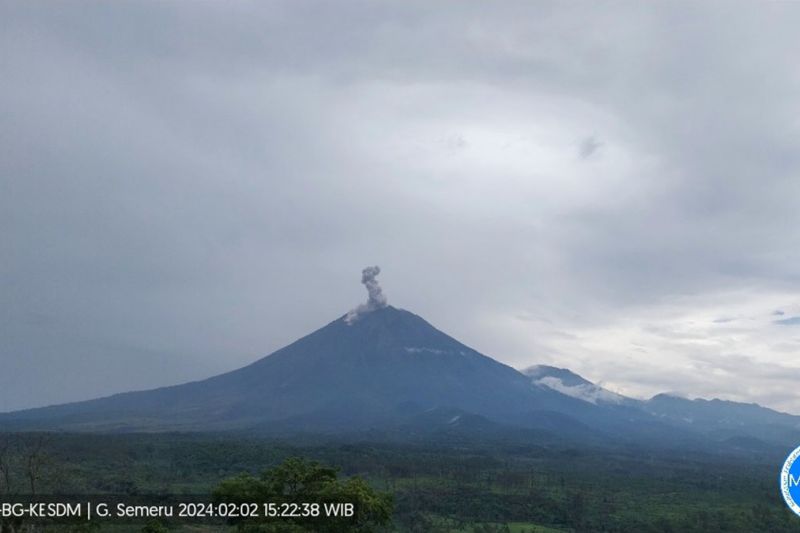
(609, 187)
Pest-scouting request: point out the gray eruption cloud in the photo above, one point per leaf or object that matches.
(376, 297)
(376, 300)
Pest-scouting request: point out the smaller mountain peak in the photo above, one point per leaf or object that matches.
(670, 396)
(567, 382)
(566, 376)
(376, 299)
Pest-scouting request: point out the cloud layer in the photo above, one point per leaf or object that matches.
(611, 187)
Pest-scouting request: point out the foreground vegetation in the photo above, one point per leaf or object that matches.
(434, 487)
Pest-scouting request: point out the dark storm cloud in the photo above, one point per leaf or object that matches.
(168, 173)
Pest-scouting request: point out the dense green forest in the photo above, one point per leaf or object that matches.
(433, 487)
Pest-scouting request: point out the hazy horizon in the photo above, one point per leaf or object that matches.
(610, 188)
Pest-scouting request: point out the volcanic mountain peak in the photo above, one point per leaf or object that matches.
(380, 367)
(347, 373)
(381, 333)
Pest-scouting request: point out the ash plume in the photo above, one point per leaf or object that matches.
(376, 300)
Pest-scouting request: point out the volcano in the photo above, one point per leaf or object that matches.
(382, 369)
(351, 373)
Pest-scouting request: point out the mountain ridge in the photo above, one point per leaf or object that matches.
(386, 367)
(386, 356)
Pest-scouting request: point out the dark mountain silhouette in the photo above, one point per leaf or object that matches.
(344, 375)
(726, 420)
(732, 423)
(566, 377)
(385, 371)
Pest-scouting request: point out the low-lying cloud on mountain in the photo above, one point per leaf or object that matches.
(609, 187)
(566, 382)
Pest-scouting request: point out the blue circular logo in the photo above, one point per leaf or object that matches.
(790, 481)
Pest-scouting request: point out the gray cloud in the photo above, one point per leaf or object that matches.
(167, 175)
(588, 147)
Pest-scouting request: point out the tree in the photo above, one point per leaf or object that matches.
(297, 481)
(36, 459)
(154, 526)
(6, 451)
(25, 466)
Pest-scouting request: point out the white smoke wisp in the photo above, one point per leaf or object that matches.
(376, 300)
